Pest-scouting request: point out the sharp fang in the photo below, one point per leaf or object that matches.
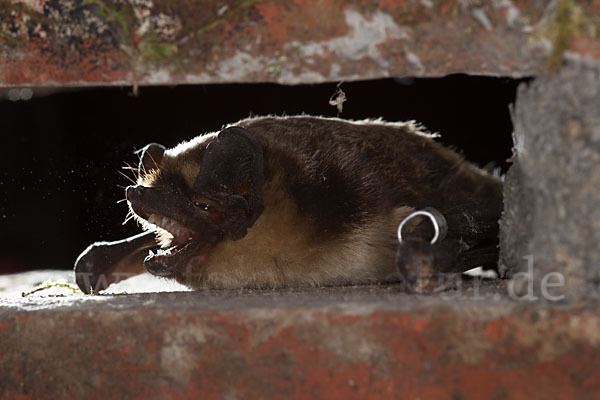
(150, 253)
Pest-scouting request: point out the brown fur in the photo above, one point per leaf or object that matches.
(334, 194)
(283, 249)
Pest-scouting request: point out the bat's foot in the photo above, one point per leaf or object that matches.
(430, 262)
(416, 264)
(423, 259)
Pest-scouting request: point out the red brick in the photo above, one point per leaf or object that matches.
(335, 343)
(168, 42)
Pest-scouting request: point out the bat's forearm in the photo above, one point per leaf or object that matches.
(103, 263)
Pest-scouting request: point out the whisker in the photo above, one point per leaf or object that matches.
(133, 169)
(153, 160)
(128, 218)
(128, 177)
(144, 169)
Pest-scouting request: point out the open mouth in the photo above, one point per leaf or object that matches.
(165, 259)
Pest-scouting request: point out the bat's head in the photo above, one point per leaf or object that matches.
(198, 194)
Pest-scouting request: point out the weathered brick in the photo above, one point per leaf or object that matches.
(77, 43)
(335, 343)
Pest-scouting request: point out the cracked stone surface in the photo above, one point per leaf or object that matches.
(335, 343)
(120, 42)
(551, 215)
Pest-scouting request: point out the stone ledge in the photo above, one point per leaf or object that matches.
(315, 343)
(82, 43)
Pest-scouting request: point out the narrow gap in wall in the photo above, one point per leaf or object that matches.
(63, 148)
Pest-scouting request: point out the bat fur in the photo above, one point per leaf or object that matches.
(273, 202)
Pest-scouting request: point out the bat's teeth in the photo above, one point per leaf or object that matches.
(178, 232)
(165, 252)
(150, 253)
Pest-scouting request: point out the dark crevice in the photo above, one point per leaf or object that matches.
(62, 152)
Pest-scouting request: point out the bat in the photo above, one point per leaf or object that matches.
(274, 202)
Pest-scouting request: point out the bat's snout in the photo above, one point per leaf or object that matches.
(134, 193)
(143, 200)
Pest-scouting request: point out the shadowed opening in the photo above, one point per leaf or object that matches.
(64, 148)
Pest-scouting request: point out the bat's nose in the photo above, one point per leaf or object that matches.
(133, 193)
(141, 199)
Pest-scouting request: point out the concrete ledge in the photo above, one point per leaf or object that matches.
(551, 220)
(335, 343)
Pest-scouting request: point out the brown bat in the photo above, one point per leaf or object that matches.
(277, 202)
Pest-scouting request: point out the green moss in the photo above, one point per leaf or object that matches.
(49, 285)
(11, 39)
(370, 7)
(108, 14)
(8, 6)
(214, 24)
(564, 30)
(5, 9)
(209, 27)
(245, 4)
(569, 20)
(153, 49)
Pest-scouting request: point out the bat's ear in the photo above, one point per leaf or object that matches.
(233, 171)
(150, 157)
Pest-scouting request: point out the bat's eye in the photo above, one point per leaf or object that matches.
(203, 206)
